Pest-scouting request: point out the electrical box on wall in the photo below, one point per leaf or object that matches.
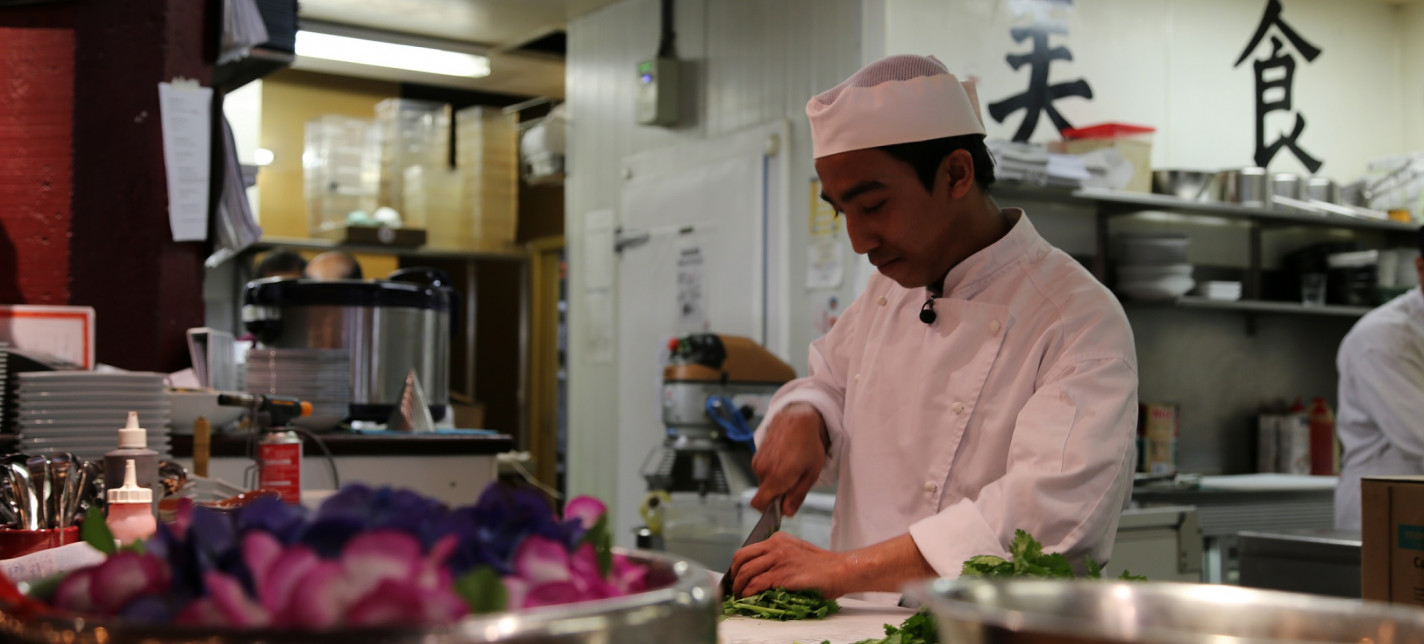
(657, 92)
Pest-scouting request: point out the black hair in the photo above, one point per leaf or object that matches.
(1421, 240)
(280, 262)
(925, 157)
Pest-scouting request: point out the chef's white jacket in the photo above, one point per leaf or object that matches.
(1015, 409)
(1381, 417)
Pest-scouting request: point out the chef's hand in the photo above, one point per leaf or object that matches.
(790, 457)
(783, 561)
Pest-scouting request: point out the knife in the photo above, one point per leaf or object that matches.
(769, 523)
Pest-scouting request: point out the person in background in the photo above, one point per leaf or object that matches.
(1381, 418)
(333, 265)
(984, 382)
(282, 263)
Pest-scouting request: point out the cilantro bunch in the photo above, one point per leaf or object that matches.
(1029, 560)
(781, 604)
(916, 629)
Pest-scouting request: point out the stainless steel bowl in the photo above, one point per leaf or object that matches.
(1185, 184)
(972, 611)
(683, 608)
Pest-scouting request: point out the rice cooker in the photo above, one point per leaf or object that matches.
(390, 327)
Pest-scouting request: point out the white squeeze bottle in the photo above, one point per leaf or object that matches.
(133, 445)
(130, 517)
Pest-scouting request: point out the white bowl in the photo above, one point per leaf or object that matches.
(1164, 289)
(189, 404)
(1152, 273)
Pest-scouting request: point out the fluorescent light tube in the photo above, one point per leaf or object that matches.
(376, 53)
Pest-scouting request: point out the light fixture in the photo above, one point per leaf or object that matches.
(377, 53)
(262, 157)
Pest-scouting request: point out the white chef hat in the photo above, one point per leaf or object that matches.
(900, 99)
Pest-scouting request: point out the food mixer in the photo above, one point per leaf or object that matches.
(715, 391)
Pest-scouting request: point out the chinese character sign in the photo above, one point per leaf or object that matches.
(1274, 75)
(1040, 95)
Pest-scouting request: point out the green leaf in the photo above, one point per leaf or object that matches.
(135, 547)
(96, 533)
(602, 542)
(1095, 570)
(483, 590)
(1127, 576)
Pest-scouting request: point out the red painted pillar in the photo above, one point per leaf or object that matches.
(36, 134)
(99, 237)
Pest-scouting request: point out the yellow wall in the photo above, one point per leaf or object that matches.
(289, 99)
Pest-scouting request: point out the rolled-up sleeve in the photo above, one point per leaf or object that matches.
(1068, 475)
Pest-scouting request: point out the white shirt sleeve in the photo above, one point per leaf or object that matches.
(824, 388)
(1388, 377)
(1069, 473)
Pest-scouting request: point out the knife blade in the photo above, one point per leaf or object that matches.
(769, 523)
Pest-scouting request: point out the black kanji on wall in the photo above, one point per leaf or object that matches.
(1040, 95)
(1274, 75)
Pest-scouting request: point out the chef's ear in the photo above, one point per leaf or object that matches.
(957, 170)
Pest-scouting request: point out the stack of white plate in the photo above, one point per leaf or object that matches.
(319, 376)
(5, 410)
(82, 411)
(1153, 266)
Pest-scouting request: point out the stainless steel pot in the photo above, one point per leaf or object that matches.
(683, 608)
(969, 611)
(389, 328)
(1245, 186)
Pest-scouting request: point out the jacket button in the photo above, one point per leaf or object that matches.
(881, 301)
(931, 486)
(957, 407)
(994, 327)
(857, 377)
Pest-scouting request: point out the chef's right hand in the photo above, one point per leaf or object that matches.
(790, 457)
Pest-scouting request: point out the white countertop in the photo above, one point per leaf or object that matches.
(857, 620)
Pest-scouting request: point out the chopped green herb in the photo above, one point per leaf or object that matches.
(781, 604)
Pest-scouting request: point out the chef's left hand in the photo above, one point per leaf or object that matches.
(783, 561)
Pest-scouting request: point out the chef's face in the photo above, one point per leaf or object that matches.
(905, 230)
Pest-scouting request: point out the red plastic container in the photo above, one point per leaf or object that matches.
(16, 543)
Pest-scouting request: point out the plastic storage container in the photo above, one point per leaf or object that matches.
(1133, 142)
(413, 133)
(487, 163)
(341, 169)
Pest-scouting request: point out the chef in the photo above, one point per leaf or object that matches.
(983, 382)
(1381, 363)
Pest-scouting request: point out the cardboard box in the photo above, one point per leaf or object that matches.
(1392, 539)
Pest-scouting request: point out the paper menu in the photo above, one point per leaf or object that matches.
(187, 139)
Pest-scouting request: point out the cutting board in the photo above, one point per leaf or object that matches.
(858, 620)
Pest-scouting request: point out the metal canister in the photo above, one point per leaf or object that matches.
(279, 464)
(1157, 430)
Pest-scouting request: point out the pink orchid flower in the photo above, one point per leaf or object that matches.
(106, 588)
(381, 579)
(588, 510)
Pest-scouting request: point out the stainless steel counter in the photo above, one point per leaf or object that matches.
(1321, 562)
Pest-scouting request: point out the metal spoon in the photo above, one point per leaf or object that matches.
(19, 487)
(39, 482)
(61, 467)
(90, 489)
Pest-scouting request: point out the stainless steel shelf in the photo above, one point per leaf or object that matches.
(1117, 203)
(1262, 306)
(1131, 201)
(505, 253)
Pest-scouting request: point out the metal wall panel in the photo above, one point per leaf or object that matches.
(747, 62)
